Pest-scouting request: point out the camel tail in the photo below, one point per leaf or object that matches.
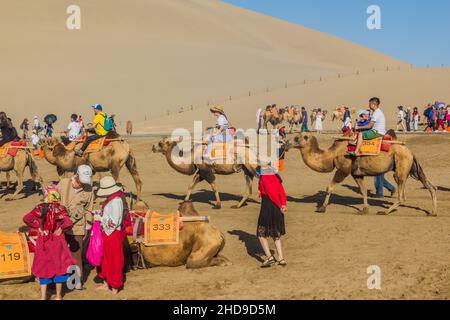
(418, 174)
(132, 168)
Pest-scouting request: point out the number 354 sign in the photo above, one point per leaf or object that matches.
(14, 256)
(161, 228)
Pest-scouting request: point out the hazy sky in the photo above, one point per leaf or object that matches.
(416, 31)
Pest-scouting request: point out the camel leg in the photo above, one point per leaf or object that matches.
(249, 182)
(338, 178)
(194, 183)
(363, 189)
(401, 192)
(218, 204)
(19, 187)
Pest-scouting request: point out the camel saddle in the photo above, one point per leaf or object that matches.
(93, 147)
(372, 147)
(137, 224)
(15, 259)
(11, 148)
(161, 228)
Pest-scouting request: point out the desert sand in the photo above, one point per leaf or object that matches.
(143, 59)
(328, 255)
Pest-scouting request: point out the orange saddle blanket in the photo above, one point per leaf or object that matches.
(94, 146)
(9, 148)
(373, 147)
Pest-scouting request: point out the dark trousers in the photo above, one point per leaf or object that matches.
(381, 183)
(76, 248)
(89, 140)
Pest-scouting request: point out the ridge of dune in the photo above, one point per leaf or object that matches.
(143, 58)
(407, 87)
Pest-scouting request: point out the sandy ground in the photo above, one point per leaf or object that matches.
(328, 254)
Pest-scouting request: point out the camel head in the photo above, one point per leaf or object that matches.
(162, 146)
(303, 140)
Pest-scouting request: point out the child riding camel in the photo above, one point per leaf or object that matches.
(221, 132)
(374, 129)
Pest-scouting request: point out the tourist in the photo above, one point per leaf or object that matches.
(430, 113)
(52, 257)
(113, 212)
(73, 130)
(440, 116)
(416, 119)
(271, 217)
(25, 127)
(77, 197)
(35, 140)
(380, 184)
(319, 121)
(408, 119)
(220, 134)
(36, 124)
(375, 129)
(304, 120)
(401, 119)
(100, 127)
(347, 121)
(447, 116)
(7, 129)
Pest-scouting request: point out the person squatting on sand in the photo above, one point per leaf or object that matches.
(114, 209)
(52, 257)
(271, 217)
(77, 197)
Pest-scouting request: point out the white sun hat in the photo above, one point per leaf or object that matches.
(108, 186)
(84, 173)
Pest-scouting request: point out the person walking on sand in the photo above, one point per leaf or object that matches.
(401, 119)
(271, 217)
(304, 120)
(408, 119)
(416, 119)
(319, 121)
(111, 218)
(77, 197)
(25, 127)
(52, 257)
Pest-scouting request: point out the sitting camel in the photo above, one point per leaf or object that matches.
(199, 247)
(399, 159)
(18, 163)
(110, 158)
(204, 172)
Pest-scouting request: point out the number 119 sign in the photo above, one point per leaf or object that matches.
(14, 256)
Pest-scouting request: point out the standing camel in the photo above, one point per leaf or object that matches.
(204, 172)
(129, 128)
(18, 163)
(399, 159)
(110, 158)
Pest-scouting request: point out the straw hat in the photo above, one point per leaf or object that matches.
(108, 186)
(217, 109)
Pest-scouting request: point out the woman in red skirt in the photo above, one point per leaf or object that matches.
(113, 209)
(271, 217)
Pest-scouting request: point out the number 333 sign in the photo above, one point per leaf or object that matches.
(161, 228)
(14, 256)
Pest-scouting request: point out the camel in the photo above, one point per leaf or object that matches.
(204, 172)
(274, 120)
(129, 128)
(339, 114)
(18, 164)
(399, 159)
(199, 247)
(111, 158)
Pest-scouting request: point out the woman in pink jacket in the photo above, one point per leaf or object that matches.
(52, 257)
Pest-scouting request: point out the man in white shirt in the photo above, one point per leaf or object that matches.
(375, 129)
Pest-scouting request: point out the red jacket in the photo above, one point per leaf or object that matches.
(271, 186)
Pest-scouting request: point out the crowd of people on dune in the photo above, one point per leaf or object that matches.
(435, 117)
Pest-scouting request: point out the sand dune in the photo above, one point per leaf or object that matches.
(141, 58)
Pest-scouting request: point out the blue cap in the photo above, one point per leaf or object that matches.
(97, 107)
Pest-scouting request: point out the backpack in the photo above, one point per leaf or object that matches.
(109, 123)
(426, 113)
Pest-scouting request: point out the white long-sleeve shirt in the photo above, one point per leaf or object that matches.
(112, 216)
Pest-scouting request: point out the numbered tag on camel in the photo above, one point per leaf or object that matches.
(14, 256)
(161, 229)
(4, 150)
(371, 147)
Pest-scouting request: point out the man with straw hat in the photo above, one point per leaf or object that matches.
(111, 219)
(220, 133)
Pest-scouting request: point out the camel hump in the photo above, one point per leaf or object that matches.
(187, 209)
